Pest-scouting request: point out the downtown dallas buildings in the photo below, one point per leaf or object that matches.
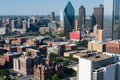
(111, 19)
(67, 18)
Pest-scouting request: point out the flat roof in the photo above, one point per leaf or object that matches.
(115, 41)
(95, 57)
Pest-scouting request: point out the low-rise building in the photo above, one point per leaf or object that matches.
(97, 46)
(25, 64)
(43, 72)
(70, 47)
(18, 41)
(33, 52)
(21, 48)
(10, 48)
(7, 59)
(44, 30)
(113, 47)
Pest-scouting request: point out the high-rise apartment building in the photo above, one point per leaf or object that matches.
(111, 19)
(98, 13)
(69, 17)
(82, 17)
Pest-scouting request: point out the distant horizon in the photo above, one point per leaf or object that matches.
(45, 7)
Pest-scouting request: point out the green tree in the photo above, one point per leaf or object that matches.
(55, 77)
(63, 35)
(83, 43)
(70, 72)
(52, 36)
(4, 72)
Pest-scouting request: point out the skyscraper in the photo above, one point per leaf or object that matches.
(111, 19)
(98, 13)
(93, 21)
(88, 22)
(52, 16)
(116, 24)
(82, 17)
(69, 16)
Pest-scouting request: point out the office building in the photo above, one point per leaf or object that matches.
(98, 13)
(82, 17)
(3, 30)
(97, 46)
(93, 21)
(76, 25)
(113, 47)
(88, 22)
(24, 64)
(52, 26)
(53, 16)
(98, 33)
(69, 17)
(94, 66)
(111, 19)
(19, 26)
(44, 30)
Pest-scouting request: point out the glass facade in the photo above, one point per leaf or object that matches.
(116, 32)
(69, 16)
(82, 17)
(111, 19)
(108, 20)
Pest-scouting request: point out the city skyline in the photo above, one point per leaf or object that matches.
(44, 7)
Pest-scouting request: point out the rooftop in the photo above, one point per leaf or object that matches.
(115, 41)
(95, 57)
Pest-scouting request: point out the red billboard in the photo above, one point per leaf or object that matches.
(75, 36)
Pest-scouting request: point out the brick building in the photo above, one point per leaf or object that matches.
(7, 59)
(25, 64)
(33, 52)
(18, 41)
(113, 47)
(29, 42)
(70, 47)
(21, 48)
(10, 48)
(44, 72)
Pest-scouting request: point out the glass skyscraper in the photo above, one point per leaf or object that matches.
(116, 32)
(81, 17)
(111, 19)
(69, 17)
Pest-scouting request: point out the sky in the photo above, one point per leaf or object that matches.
(43, 7)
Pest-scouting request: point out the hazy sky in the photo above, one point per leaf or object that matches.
(43, 7)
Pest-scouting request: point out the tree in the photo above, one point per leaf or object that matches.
(55, 77)
(52, 36)
(83, 43)
(63, 35)
(4, 72)
(70, 72)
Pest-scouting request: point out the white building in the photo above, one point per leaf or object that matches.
(19, 26)
(98, 67)
(3, 30)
